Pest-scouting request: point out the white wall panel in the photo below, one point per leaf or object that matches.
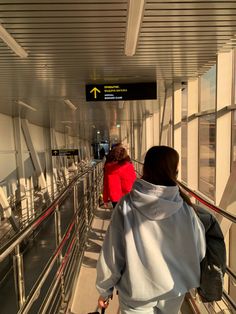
(7, 151)
(136, 144)
(143, 139)
(37, 135)
(156, 128)
(192, 97)
(177, 146)
(192, 153)
(60, 139)
(166, 121)
(7, 134)
(8, 167)
(149, 132)
(177, 106)
(223, 143)
(71, 141)
(224, 79)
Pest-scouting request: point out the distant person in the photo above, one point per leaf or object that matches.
(72, 168)
(102, 153)
(119, 175)
(115, 145)
(154, 244)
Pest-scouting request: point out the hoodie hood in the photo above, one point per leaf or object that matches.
(156, 202)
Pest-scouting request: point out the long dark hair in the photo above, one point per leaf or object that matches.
(119, 154)
(161, 168)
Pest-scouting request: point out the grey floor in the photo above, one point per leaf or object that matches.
(85, 296)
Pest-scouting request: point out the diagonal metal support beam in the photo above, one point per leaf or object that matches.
(21, 190)
(35, 158)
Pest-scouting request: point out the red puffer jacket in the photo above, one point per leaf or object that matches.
(118, 180)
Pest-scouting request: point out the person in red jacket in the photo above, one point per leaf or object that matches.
(119, 175)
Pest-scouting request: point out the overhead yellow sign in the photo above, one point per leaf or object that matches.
(95, 90)
(130, 91)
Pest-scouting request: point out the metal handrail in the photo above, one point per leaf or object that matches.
(57, 278)
(65, 274)
(138, 162)
(231, 273)
(228, 216)
(217, 209)
(38, 285)
(229, 300)
(7, 248)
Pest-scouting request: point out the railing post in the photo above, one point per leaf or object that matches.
(76, 207)
(97, 183)
(58, 241)
(91, 183)
(85, 202)
(94, 188)
(75, 198)
(19, 276)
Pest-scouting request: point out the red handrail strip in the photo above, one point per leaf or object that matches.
(60, 271)
(44, 216)
(65, 258)
(42, 277)
(65, 238)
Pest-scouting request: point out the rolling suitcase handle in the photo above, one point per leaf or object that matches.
(102, 311)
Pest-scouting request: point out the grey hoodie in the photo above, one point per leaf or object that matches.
(153, 247)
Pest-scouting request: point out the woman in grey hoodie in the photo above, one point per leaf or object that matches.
(154, 244)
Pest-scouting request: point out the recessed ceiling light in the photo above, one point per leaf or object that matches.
(69, 104)
(11, 43)
(66, 121)
(21, 103)
(135, 15)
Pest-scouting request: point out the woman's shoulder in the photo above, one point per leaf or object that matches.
(190, 211)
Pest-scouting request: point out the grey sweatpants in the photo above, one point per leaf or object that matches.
(171, 306)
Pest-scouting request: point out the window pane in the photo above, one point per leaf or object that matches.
(234, 136)
(207, 145)
(208, 90)
(184, 151)
(234, 75)
(184, 100)
(184, 107)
